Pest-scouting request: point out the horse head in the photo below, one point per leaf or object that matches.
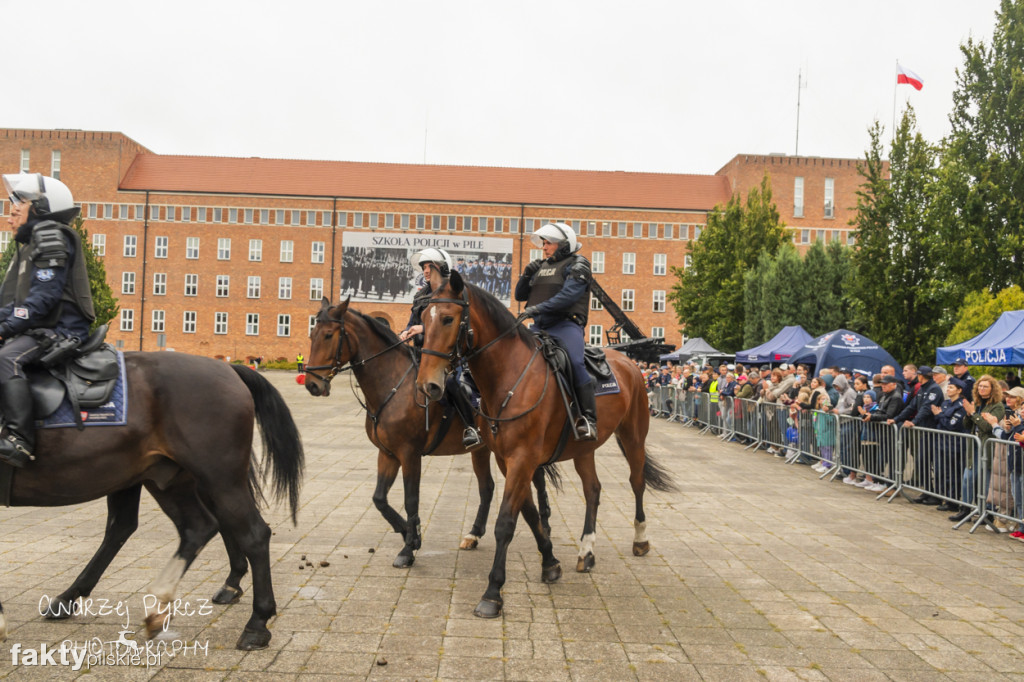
(446, 335)
(330, 347)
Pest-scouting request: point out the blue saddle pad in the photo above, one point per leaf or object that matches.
(606, 386)
(112, 413)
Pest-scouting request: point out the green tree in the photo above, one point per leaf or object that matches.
(980, 189)
(816, 284)
(103, 299)
(897, 286)
(708, 296)
(781, 303)
(753, 297)
(837, 303)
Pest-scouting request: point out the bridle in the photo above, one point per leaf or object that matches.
(337, 365)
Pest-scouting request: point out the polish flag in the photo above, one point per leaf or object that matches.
(909, 77)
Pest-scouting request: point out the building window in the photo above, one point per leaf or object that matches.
(200, 214)
(638, 230)
(128, 283)
(223, 286)
(192, 285)
(127, 319)
(819, 235)
(253, 289)
(130, 244)
(669, 231)
(482, 224)
(805, 236)
(316, 288)
(248, 216)
(405, 221)
(279, 216)
(287, 247)
(421, 222)
(389, 221)
(284, 325)
(687, 261)
(530, 222)
(92, 208)
(435, 222)
(312, 324)
(851, 238)
(798, 197)
(652, 230)
(252, 324)
(596, 335)
(220, 323)
(264, 216)
(55, 165)
(296, 217)
(659, 301)
(218, 215)
(627, 301)
(233, 215)
(186, 214)
(660, 263)
(160, 247)
(99, 244)
(597, 261)
(467, 224)
(374, 221)
(628, 263)
(284, 288)
(189, 322)
(5, 241)
(325, 218)
(830, 196)
(158, 321)
(108, 211)
(499, 225)
(159, 283)
(697, 229)
(255, 249)
(192, 248)
(318, 253)
(536, 254)
(24, 160)
(595, 303)
(224, 248)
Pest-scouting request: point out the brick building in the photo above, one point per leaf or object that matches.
(229, 257)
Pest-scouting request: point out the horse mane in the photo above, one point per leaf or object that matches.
(496, 310)
(377, 327)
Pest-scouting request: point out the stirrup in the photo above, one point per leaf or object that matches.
(471, 439)
(585, 430)
(13, 452)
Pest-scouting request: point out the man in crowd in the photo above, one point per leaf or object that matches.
(963, 372)
(918, 412)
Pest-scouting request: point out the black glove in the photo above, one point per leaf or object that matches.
(532, 267)
(531, 311)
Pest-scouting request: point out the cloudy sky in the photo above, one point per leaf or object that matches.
(662, 86)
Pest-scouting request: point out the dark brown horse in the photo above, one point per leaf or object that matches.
(189, 441)
(522, 404)
(396, 423)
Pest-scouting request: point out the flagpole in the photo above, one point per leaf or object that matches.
(892, 133)
(799, 79)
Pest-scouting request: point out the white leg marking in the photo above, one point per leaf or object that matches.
(587, 544)
(3, 627)
(166, 583)
(639, 531)
(470, 536)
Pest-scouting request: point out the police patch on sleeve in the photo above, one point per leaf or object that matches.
(44, 274)
(21, 313)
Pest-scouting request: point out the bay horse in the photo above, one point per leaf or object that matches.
(402, 429)
(188, 440)
(521, 403)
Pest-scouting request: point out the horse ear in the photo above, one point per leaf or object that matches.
(343, 306)
(455, 283)
(325, 303)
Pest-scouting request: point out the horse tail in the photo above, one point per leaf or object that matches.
(283, 456)
(658, 477)
(553, 474)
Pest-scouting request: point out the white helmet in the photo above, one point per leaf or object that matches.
(438, 257)
(44, 193)
(559, 233)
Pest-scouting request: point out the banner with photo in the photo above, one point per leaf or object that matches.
(377, 267)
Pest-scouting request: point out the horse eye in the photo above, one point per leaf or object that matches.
(328, 335)
(447, 320)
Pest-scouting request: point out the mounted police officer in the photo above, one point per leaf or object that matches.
(44, 298)
(437, 265)
(555, 290)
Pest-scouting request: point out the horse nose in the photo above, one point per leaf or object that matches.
(314, 388)
(433, 390)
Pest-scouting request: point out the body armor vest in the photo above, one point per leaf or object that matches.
(549, 281)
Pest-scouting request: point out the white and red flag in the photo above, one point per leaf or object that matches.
(904, 75)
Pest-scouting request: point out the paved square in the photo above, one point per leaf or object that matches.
(757, 571)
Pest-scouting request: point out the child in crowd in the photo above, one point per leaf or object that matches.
(824, 432)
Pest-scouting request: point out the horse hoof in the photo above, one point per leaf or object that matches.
(59, 609)
(551, 574)
(251, 640)
(468, 542)
(227, 595)
(488, 608)
(404, 561)
(641, 548)
(585, 563)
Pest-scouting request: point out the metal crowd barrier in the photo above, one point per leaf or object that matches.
(871, 449)
(934, 463)
(999, 483)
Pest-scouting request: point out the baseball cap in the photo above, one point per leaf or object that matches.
(960, 361)
(1016, 392)
(765, 368)
(784, 367)
(924, 369)
(939, 370)
(889, 379)
(958, 383)
(730, 367)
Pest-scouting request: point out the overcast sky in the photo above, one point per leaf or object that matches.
(661, 86)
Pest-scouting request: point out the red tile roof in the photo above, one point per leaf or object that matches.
(345, 179)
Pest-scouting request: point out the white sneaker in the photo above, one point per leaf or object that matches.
(864, 484)
(850, 480)
(877, 487)
(772, 450)
(819, 467)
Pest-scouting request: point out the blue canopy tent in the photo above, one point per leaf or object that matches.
(1000, 344)
(779, 349)
(843, 348)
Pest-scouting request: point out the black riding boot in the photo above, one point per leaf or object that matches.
(471, 439)
(16, 406)
(586, 424)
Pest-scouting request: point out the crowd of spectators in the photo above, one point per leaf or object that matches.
(916, 397)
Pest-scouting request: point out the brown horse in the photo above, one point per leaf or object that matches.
(521, 402)
(403, 430)
(194, 455)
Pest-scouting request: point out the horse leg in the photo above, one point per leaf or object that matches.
(592, 494)
(231, 592)
(543, 503)
(517, 489)
(635, 456)
(411, 486)
(122, 520)
(387, 471)
(551, 569)
(485, 484)
(196, 526)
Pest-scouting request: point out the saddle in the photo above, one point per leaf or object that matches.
(558, 357)
(84, 373)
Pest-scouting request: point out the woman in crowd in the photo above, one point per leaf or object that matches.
(987, 399)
